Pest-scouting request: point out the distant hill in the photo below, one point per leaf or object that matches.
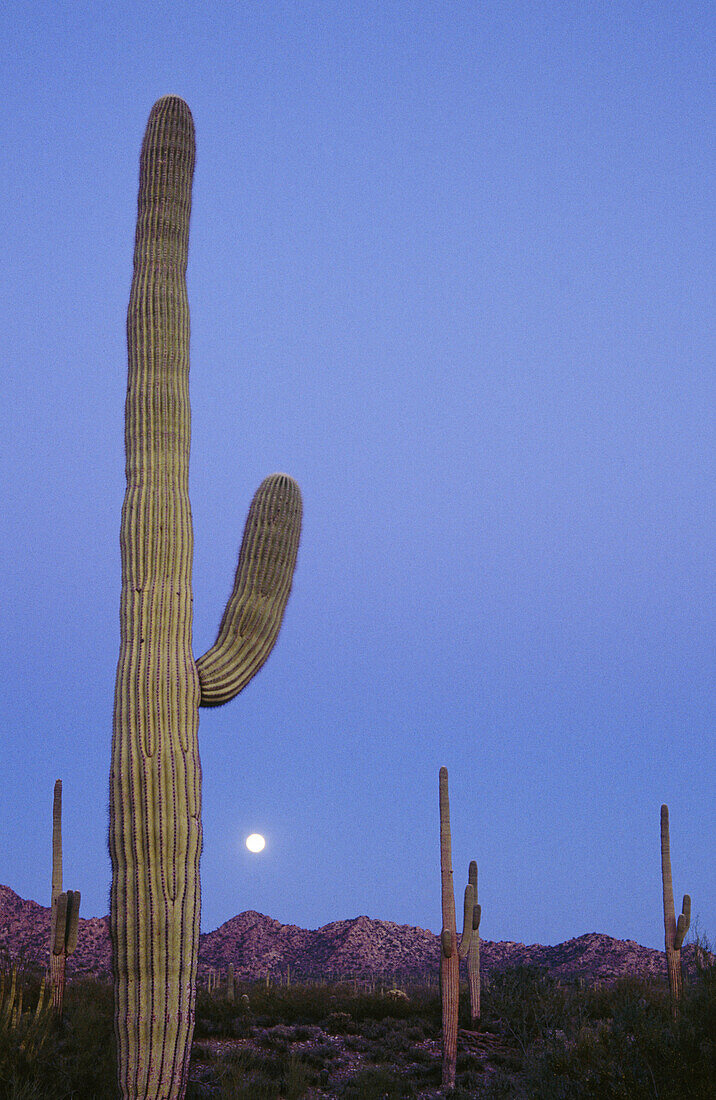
(357, 948)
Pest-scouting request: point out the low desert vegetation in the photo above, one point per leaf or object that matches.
(537, 1038)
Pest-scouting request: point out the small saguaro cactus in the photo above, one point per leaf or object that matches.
(450, 950)
(230, 986)
(64, 912)
(155, 832)
(674, 931)
(473, 953)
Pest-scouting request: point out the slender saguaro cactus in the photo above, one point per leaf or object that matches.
(450, 950)
(473, 954)
(155, 831)
(674, 931)
(65, 910)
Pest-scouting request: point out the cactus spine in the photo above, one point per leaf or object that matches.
(155, 832)
(65, 910)
(450, 950)
(473, 954)
(674, 931)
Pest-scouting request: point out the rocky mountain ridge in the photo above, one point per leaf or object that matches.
(362, 948)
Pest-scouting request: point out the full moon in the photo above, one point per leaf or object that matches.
(255, 842)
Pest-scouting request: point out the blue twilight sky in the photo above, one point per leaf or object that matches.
(451, 267)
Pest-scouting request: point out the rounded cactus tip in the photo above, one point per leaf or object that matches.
(282, 494)
(279, 482)
(172, 108)
(282, 481)
(172, 100)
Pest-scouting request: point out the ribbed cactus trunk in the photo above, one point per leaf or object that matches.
(155, 831)
(57, 961)
(449, 958)
(450, 950)
(155, 792)
(674, 931)
(64, 911)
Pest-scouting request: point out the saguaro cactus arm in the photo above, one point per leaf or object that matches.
(472, 879)
(468, 918)
(682, 924)
(252, 619)
(59, 925)
(65, 923)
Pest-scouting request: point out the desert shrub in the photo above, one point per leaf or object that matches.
(270, 1040)
(297, 1077)
(303, 1033)
(388, 1041)
(635, 1050)
(319, 1055)
(378, 1084)
(215, 1015)
(248, 1075)
(338, 1023)
(310, 1004)
(526, 1004)
(360, 1043)
(497, 1086)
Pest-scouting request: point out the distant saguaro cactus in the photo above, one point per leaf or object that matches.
(674, 931)
(155, 832)
(473, 953)
(64, 910)
(450, 950)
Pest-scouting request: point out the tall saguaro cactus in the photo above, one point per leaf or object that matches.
(155, 831)
(450, 950)
(65, 910)
(674, 931)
